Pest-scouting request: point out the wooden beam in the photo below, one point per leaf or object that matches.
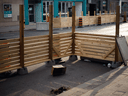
(50, 31)
(81, 13)
(21, 17)
(68, 14)
(57, 52)
(117, 31)
(109, 52)
(70, 44)
(46, 17)
(73, 29)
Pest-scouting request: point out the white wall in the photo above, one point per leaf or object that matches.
(78, 8)
(15, 12)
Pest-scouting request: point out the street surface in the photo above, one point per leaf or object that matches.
(108, 29)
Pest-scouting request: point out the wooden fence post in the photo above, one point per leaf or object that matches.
(46, 17)
(50, 31)
(117, 31)
(88, 13)
(60, 14)
(21, 19)
(68, 14)
(81, 13)
(73, 29)
(94, 13)
(100, 13)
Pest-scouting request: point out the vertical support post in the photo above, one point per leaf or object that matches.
(125, 16)
(81, 13)
(60, 14)
(21, 17)
(46, 17)
(88, 13)
(73, 29)
(117, 31)
(68, 14)
(100, 13)
(50, 31)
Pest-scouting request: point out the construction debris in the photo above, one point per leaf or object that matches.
(59, 91)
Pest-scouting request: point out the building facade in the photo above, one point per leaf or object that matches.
(35, 10)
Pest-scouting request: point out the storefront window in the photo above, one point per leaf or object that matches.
(44, 9)
(47, 7)
(63, 7)
(59, 6)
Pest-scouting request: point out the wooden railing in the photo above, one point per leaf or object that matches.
(23, 52)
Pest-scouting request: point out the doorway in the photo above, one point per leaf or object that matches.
(31, 13)
(92, 8)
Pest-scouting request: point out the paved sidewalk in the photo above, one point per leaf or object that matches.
(112, 83)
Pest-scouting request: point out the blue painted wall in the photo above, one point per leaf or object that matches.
(84, 9)
(56, 11)
(38, 12)
(42, 9)
(26, 13)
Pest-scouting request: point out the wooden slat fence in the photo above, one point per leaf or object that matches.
(9, 54)
(95, 46)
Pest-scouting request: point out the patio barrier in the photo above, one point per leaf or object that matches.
(27, 51)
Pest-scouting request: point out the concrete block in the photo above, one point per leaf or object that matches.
(50, 63)
(73, 58)
(42, 26)
(22, 71)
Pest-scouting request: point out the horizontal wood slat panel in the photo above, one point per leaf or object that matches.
(9, 41)
(36, 62)
(9, 45)
(35, 58)
(10, 68)
(35, 37)
(94, 34)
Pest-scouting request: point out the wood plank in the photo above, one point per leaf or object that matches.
(94, 37)
(81, 50)
(109, 52)
(21, 23)
(9, 49)
(36, 41)
(34, 51)
(57, 52)
(9, 56)
(35, 37)
(68, 47)
(35, 54)
(36, 48)
(73, 29)
(10, 63)
(9, 69)
(94, 41)
(95, 34)
(36, 44)
(36, 62)
(9, 45)
(50, 31)
(8, 53)
(117, 31)
(36, 58)
(9, 60)
(9, 40)
(94, 44)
